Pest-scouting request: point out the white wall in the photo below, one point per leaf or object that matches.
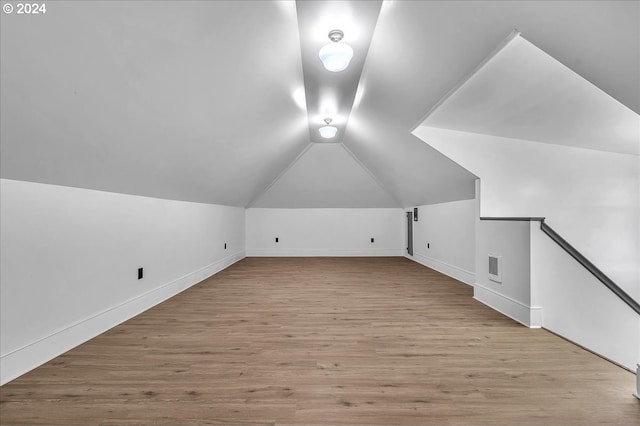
(449, 229)
(69, 260)
(511, 240)
(578, 306)
(325, 232)
(592, 199)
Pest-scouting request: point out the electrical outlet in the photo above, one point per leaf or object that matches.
(140, 273)
(276, 239)
(371, 239)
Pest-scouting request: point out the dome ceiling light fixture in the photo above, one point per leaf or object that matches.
(336, 56)
(327, 131)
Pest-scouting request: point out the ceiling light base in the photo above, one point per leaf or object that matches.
(335, 35)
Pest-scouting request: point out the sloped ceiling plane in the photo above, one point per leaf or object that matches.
(220, 102)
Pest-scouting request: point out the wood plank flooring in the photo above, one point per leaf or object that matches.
(366, 341)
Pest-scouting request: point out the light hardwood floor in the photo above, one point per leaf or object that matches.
(375, 341)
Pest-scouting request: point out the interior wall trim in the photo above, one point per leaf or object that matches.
(34, 354)
(285, 252)
(530, 316)
(448, 269)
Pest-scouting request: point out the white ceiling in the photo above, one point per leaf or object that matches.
(180, 100)
(205, 101)
(330, 173)
(523, 93)
(331, 94)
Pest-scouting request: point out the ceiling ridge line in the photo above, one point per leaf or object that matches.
(283, 172)
(373, 176)
(515, 33)
(331, 94)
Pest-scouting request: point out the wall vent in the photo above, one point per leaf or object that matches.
(495, 268)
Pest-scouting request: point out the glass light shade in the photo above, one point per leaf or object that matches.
(336, 56)
(328, 132)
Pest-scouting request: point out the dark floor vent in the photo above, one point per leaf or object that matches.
(495, 268)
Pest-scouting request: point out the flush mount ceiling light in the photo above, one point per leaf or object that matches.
(336, 56)
(327, 131)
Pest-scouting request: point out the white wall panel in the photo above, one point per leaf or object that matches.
(325, 232)
(591, 198)
(326, 176)
(449, 230)
(69, 261)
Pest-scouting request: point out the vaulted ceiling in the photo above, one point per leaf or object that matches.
(522, 92)
(220, 101)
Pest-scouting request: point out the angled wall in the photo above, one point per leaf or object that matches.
(325, 176)
(444, 239)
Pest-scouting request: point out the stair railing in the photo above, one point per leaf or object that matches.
(586, 263)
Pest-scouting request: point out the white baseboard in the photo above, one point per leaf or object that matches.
(452, 271)
(22, 360)
(535, 320)
(322, 252)
(530, 316)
